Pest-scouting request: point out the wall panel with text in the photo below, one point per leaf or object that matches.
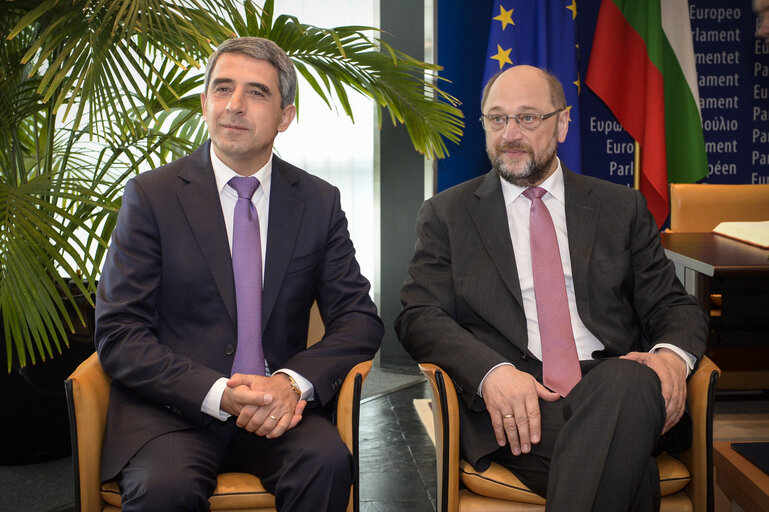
(733, 74)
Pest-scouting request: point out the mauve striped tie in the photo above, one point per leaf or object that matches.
(560, 361)
(247, 269)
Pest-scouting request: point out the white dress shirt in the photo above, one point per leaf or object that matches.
(261, 200)
(518, 207)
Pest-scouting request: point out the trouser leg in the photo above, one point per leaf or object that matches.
(175, 471)
(308, 468)
(613, 423)
(597, 443)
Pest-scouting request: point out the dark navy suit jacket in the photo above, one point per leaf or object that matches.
(166, 313)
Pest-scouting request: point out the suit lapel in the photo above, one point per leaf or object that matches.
(490, 218)
(286, 209)
(200, 202)
(582, 212)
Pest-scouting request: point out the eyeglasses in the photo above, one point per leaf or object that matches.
(528, 121)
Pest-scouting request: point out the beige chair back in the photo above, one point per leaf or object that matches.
(698, 208)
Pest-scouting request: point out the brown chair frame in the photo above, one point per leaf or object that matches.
(696, 496)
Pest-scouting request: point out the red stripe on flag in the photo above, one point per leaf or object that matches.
(622, 75)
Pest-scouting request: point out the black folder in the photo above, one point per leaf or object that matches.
(756, 453)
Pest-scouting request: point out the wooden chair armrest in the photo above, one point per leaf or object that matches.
(348, 417)
(87, 391)
(445, 407)
(701, 390)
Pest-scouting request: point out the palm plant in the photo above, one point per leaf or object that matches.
(92, 91)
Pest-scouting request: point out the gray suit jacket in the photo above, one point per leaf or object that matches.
(462, 305)
(165, 311)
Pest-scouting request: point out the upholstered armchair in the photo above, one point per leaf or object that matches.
(87, 391)
(685, 484)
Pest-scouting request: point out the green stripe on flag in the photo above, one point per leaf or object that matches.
(686, 156)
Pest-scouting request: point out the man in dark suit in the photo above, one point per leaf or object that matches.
(469, 305)
(169, 325)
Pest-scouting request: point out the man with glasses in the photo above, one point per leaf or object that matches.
(548, 299)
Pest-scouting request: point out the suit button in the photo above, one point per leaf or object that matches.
(229, 350)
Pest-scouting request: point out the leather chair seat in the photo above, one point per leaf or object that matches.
(234, 491)
(500, 483)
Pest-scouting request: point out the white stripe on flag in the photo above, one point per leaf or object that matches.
(678, 30)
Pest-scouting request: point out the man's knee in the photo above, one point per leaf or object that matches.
(627, 376)
(157, 489)
(332, 459)
(621, 384)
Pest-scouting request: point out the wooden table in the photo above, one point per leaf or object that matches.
(730, 280)
(741, 481)
(706, 255)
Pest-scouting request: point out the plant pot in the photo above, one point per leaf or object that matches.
(36, 428)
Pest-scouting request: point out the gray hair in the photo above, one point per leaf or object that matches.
(262, 49)
(557, 97)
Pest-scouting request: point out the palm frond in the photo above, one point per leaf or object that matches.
(333, 60)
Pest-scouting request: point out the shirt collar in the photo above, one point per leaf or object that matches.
(553, 184)
(223, 174)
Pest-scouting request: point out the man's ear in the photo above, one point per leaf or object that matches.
(289, 113)
(563, 124)
(203, 104)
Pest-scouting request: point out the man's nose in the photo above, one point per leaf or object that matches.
(237, 103)
(512, 130)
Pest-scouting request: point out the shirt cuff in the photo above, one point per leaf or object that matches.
(688, 358)
(304, 385)
(212, 403)
(480, 386)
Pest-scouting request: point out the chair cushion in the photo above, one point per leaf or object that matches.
(499, 482)
(110, 493)
(673, 474)
(234, 491)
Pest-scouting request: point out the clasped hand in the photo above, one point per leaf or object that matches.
(266, 406)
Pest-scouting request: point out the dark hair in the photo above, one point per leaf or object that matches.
(262, 49)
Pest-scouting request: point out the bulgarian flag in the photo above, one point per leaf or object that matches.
(642, 67)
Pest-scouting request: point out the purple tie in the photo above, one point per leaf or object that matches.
(247, 269)
(560, 362)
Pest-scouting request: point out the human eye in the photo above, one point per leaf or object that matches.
(528, 118)
(259, 94)
(497, 119)
(221, 90)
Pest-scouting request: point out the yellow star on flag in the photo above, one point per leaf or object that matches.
(503, 56)
(506, 17)
(573, 8)
(579, 86)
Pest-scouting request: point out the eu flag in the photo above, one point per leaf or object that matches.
(540, 33)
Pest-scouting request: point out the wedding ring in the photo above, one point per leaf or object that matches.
(273, 417)
(507, 416)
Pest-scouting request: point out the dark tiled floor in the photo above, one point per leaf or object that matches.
(397, 459)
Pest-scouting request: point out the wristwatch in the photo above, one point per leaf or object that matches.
(294, 387)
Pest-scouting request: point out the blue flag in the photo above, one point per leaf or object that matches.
(540, 33)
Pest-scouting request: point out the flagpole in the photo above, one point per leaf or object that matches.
(637, 166)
